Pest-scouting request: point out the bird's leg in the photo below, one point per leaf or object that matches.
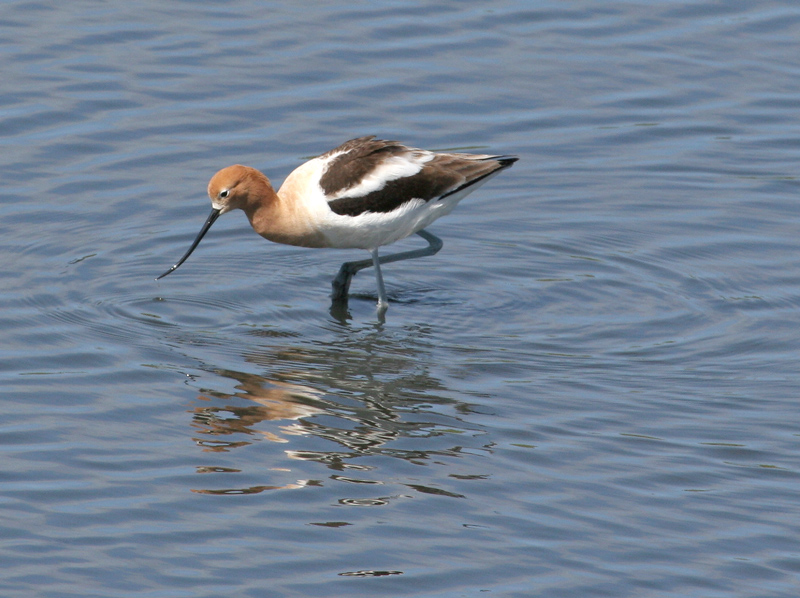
(383, 302)
(341, 284)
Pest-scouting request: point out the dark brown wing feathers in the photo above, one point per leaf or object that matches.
(444, 175)
(360, 157)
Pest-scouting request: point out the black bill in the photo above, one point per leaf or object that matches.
(209, 221)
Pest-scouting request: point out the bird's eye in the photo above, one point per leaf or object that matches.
(224, 193)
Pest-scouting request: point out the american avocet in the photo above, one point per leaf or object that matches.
(364, 194)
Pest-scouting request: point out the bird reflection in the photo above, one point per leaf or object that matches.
(360, 420)
(370, 425)
(275, 401)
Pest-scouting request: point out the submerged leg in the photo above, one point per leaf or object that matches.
(383, 302)
(341, 284)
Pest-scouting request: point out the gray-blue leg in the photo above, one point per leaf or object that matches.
(341, 284)
(383, 302)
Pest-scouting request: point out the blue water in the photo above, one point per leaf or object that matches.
(590, 391)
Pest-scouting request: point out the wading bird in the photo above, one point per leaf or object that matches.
(364, 194)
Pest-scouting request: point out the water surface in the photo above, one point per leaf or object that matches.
(590, 391)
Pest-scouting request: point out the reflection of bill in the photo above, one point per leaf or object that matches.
(257, 489)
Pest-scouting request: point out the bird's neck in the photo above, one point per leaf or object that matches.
(281, 218)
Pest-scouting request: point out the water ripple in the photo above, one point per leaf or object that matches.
(604, 352)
